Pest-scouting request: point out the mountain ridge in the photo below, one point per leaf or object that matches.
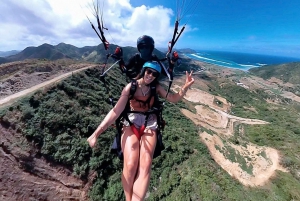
(86, 53)
(8, 53)
(63, 50)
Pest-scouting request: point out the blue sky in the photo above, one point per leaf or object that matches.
(270, 27)
(264, 27)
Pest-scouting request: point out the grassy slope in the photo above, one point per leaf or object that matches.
(289, 72)
(59, 119)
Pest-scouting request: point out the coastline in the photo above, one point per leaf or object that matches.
(239, 61)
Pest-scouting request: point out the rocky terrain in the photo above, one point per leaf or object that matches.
(39, 181)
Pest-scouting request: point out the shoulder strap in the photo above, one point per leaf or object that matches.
(153, 89)
(152, 94)
(133, 88)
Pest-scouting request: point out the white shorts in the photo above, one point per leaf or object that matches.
(138, 120)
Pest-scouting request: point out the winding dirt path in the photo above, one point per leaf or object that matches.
(250, 164)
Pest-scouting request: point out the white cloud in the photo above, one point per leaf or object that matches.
(53, 21)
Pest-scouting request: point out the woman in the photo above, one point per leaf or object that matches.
(138, 153)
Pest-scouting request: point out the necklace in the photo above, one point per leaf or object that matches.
(145, 93)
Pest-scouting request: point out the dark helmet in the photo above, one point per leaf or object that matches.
(145, 40)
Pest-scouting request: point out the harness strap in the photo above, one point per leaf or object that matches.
(133, 88)
(139, 132)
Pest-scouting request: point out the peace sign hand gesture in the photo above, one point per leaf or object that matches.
(189, 80)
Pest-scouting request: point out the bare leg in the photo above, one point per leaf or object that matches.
(130, 148)
(147, 147)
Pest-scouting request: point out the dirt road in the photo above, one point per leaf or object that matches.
(12, 98)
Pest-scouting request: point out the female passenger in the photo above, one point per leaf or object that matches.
(138, 150)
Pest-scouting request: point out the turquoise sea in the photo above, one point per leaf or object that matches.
(243, 61)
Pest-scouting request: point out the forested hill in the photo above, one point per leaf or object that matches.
(62, 50)
(288, 72)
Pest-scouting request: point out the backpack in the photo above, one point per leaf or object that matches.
(156, 109)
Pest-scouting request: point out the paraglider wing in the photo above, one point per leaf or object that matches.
(183, 7)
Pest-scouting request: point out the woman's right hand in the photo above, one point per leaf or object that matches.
(92, 140)
(189, 79)
(111, 116)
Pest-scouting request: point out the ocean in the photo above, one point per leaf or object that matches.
(242, 61)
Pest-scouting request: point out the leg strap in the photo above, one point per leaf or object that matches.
(138, 132)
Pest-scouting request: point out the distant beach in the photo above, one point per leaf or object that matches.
(242, 61)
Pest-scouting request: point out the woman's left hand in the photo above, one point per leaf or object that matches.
(189, 80)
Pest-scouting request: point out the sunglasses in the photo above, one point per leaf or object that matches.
(154, 73)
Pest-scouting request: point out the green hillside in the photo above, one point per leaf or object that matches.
(289, 72)
(44, 51)
(96, 54)
(59, 120)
